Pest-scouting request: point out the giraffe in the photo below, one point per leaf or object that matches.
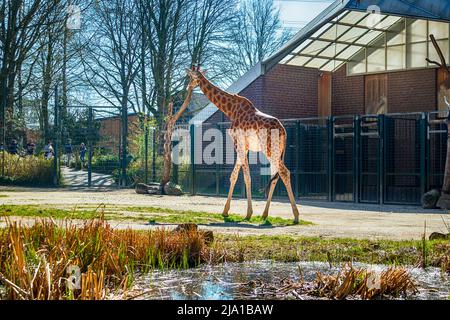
(251, 130)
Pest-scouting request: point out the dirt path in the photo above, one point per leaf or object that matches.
(79, 178)
(330, 220)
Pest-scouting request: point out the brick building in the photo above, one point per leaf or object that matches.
(349, 61)
(359, 101)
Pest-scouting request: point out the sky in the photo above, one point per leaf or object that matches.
(297, 13)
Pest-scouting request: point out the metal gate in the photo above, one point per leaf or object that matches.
(344, 182)
(370, 148)
(86, 156)
(404, 160)
(313, 157)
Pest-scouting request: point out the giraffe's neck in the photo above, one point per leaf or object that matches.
(225, 101)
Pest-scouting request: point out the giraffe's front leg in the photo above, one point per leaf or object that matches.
(233, 178)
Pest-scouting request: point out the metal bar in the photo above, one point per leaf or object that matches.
(423, 154)
(330, 124)
(356, 159)
(146, 151)
(437, 131)
(55, 142)
(90, 137)
(381, 159)
(339, 126)
(369, 134)
(154, 155)
(344, 135)
(192, 133)
(297, 159)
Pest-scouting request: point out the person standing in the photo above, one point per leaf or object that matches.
(82, 154)
(68, 151)
(31, 147)
(48, 151)
(14, 147)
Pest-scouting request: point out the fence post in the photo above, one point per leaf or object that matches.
(154, 156)
(146, 151)
(55, 140)
(192, 140)
(423, 150)
(330, 123)
(90, 137)
(381, 157)
(356, 157)
(297, 159)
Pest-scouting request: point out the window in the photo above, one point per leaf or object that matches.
(404, 45)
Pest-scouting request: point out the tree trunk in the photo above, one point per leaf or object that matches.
(171, 120)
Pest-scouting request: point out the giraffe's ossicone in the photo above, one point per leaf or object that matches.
(251, 130)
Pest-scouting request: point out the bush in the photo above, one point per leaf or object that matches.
(30, 170)
(106, 164)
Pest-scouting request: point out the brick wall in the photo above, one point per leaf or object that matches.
(412, 91)
(291, 92)
(283, 92)
(110, 133)
(347, 93)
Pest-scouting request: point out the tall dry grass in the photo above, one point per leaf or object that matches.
(35, 261)
(30, 170)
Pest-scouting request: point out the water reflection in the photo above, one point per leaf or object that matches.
(234, 280)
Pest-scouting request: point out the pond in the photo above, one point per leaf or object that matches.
(233, 280)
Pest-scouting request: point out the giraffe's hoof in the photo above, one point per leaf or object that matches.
(225, 215)
(248, 217)
(295, 221)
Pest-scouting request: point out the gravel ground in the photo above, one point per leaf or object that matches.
(331, 220)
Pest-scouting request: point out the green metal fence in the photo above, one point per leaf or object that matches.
(391, 159)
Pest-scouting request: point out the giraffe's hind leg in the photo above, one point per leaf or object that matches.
(233, 178)
(286, 177)
(269, 196)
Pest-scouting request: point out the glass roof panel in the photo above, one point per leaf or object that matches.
(369, 37)
(321, 30)
(388, 22)
(332, 65)
(302, 45)
(299, 60)
(349, 52)
(287, 58)
(353, 17)
(371, 20)
(353, 34)
(333, 49)
(315, 47)
(317, 63)
(334, 32)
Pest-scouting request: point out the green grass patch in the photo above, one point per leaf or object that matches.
(3, 196)
(152, 215)
(202, 217)
(291, 249)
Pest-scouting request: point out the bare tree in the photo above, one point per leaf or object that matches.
(165, 34)
(21, 24)
(254, 35)
(112, 62)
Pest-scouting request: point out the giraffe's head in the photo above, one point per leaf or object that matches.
(194, 75)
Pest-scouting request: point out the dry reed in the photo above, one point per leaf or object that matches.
(34, 261)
